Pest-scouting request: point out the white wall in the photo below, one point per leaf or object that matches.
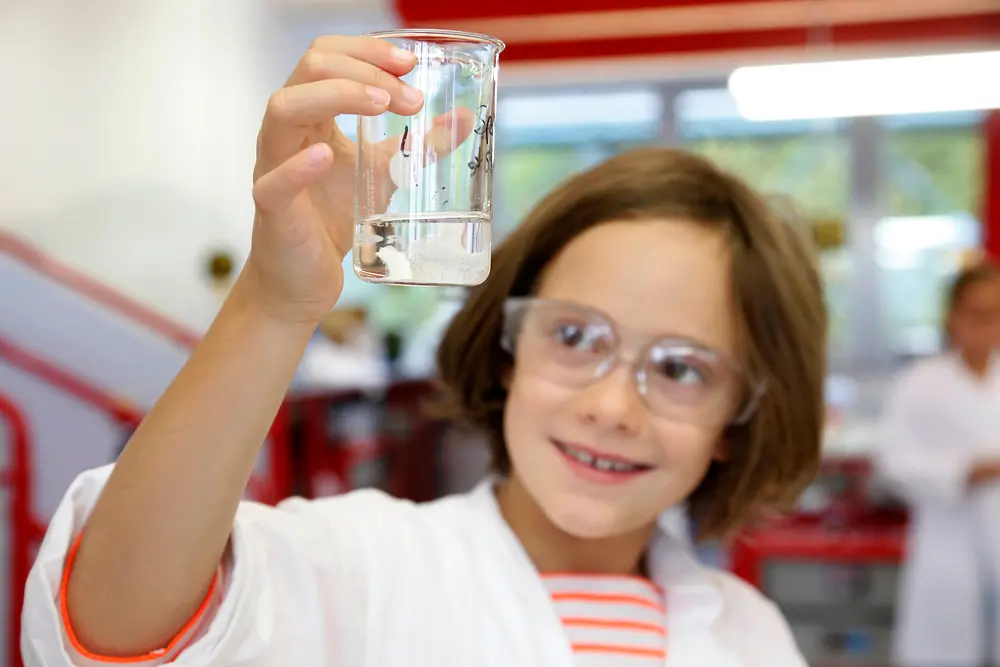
(130, 125)
(129, 130)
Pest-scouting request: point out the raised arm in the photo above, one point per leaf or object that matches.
(150, 549)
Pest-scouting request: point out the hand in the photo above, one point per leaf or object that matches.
(304, 179)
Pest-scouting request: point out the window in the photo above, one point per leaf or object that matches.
(527, 173)
(805, 161)
(933, 165)
(932, 191)
(545, 139)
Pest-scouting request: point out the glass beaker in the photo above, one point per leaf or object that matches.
(424, 210)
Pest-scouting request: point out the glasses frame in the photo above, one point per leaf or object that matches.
(515, 307)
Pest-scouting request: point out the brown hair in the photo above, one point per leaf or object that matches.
(777, 289)
(966, 279)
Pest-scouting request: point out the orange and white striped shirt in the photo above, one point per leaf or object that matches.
(611, 621)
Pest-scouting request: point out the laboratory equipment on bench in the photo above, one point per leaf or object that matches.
(352, 439)
(832, 568)
(424, 206)
(342, 450)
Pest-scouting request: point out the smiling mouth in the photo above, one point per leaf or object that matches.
(597, 462)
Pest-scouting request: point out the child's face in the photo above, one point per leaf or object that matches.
(658, 293)
(975, 322)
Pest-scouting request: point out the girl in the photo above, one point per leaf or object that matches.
(652, 335)
(941, 448)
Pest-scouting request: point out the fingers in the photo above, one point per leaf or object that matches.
(450, 130)
(319, 65)
(379, 52)
(444, 134)
(277, 189)
(292, 113)
(337, 75)
(320, 101)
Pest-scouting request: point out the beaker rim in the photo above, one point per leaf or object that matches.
(445, 35)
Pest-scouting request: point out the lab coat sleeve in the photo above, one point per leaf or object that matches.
(280, 560)
(912, 453)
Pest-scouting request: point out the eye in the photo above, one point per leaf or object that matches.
(580, 337)
(679, 370)
(684, 367)
(571, 335)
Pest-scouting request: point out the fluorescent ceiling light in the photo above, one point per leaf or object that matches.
(876, 87)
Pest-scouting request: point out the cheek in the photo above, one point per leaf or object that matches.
(530, 403)
(687, 449)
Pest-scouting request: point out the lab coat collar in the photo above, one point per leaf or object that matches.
(992, 368)
(694, 601)
(692, 596)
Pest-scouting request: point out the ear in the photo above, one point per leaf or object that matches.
(721, 451)
(506, 377)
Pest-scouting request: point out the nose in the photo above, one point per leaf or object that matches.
(611, 403)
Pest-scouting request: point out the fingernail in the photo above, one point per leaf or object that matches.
(378, 95)
(412, 95)
(317, 153)
(402, 55)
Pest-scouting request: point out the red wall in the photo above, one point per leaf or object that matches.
(991, 192)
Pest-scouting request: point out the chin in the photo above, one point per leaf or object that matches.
(584, 518)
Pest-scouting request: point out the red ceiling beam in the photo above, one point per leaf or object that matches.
(873, 34)
(545, 30)
(436, 11)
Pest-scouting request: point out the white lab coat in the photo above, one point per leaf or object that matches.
(937, 420)
(367, 580)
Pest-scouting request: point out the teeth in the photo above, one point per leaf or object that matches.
(598, 463)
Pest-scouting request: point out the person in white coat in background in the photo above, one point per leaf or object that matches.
(653, 335)
(940, 449)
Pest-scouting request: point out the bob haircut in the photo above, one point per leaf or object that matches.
(967, 278)
(964, 282)
(778, 297)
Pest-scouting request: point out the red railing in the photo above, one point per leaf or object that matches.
(70, 384)
(26, 531)
(96, 291)
(272, 490)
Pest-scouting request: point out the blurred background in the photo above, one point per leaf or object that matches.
(126, 151)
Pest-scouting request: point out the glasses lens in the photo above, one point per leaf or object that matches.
(562, 342)
(689, 384)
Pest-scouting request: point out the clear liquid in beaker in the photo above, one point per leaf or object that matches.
(447, 248)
